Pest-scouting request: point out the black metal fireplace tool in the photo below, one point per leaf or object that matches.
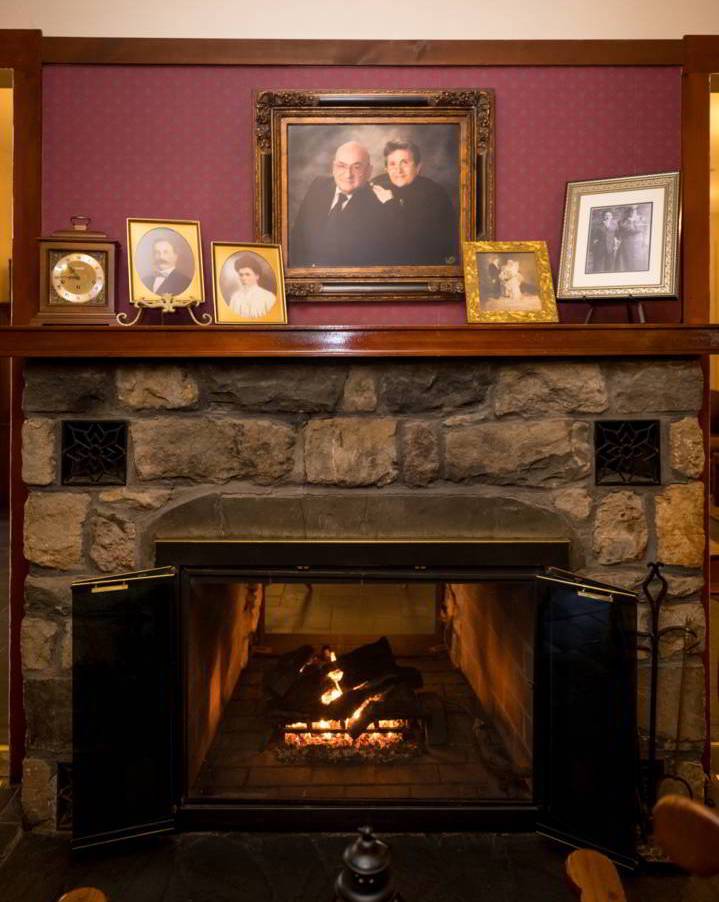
(654, 771)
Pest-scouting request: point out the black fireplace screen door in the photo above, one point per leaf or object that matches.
(586, 748)
(123, 706)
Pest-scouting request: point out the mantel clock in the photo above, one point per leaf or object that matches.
(78, 276)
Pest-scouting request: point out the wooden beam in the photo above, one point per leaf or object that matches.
(223, 52)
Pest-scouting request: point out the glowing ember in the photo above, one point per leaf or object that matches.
(344, 740)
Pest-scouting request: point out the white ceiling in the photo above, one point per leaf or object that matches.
(369, 19)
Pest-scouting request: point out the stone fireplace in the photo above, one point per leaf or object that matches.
(377, 450)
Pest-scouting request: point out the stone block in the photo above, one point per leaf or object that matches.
(406, 387)
(679, 615)
(113, 544)
(66, 647)
(48, 595)
(575, 503)
(543, 453)
(360, 393)
(694, 774)
(662, 386)
(65, 388)
(683, 586)
(136, 499)
(38, 789)
(39, 452)
(620, 528)
(54, 529)
(205, 449)
(671, 682)
(37, 642)
(351, 451)
(686, 443)
(312, 387)
(420, 453)
(679, 512)
(538, 389)
(156, 387)
(48, 714)
(619, 577)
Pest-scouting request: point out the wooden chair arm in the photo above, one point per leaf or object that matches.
(84, 894)
(688, 833)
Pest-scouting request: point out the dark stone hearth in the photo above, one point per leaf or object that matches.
(327, 449)
(277, 388)
(416, 387)
(227, 867)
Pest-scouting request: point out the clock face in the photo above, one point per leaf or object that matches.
(77, 278)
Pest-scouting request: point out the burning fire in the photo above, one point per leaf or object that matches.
(336, 677)
(334, 733)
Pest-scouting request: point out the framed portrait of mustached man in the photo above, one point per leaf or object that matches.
(371, 194)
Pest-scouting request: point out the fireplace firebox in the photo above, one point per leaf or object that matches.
(282, 685)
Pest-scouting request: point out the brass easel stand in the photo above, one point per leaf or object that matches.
(166, 303)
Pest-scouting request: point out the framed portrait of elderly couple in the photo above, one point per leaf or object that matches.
(371, 194)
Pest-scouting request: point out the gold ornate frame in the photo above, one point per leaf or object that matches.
(475, 314)
(628, 190)
(472, 110)
(272, 253)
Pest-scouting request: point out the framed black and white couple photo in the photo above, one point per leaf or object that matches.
(621, 238)
(371, 194)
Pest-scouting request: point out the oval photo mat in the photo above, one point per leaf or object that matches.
(185, 236)
(223, 258)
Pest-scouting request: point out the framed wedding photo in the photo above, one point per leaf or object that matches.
(621, 238)
(371, 193)
(248, 284)
(508, 282)
(164, 260)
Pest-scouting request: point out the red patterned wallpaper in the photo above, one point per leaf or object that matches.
(176, 143)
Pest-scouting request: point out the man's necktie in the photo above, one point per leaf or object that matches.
(337, 209)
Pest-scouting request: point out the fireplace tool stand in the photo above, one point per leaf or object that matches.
(654, 769)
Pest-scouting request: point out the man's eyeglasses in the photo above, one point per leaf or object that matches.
(354, 167)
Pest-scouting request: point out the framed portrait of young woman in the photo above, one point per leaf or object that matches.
(248, 284)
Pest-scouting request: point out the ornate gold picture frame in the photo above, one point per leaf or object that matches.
(509, 282)
(165, 267)
(370, 194)
(248, 284)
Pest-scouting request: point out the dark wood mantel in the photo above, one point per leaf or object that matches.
(187, 342)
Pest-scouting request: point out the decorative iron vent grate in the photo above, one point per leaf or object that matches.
(627, 452)
(94, 452)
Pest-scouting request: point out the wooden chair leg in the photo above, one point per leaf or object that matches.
(593, 877)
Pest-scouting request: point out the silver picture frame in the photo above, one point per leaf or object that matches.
(620, 238)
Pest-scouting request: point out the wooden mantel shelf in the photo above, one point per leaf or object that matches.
(545, 340)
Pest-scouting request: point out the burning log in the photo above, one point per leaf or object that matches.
(348, 693)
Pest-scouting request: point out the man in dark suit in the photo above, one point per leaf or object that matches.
(422, 221)
(164, 277)
(340, 221)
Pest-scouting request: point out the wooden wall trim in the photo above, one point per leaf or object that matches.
(701, 58)
(223, 52)
(20, 50)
